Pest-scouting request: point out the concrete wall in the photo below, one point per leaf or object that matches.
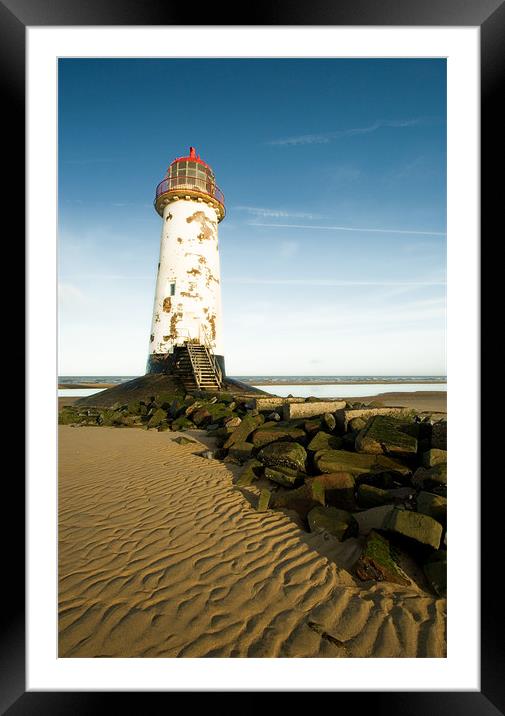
(189, 257)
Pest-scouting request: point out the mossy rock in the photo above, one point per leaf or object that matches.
(434, 457)
(415, 526)
(329, 421)
(356, 424)
(339, 523)
(432, 477)
(184, 441)
(284, 476)
(226, 398)
(182, 423)
(134, 407)
(271, 433)
(312, 426)
(433, 505)
(284, 454)
(264, 500)
(69, 417)
(377, 561)
(242, 431)
(370, 496)
(338, 489)
(301, 500)
(242, 451)
(324, 441)
(157, 418)
(383, 435)
(251, 472)
(357, 463)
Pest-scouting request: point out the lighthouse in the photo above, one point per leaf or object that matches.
(185, 337)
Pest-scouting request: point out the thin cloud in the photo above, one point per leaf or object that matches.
(325, 137)
(327, 282)
(89, 160)
(275, 213)
(349, 228)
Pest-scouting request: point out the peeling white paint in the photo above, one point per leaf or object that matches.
(192, 264)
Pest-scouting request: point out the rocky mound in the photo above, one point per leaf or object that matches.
(150, 387)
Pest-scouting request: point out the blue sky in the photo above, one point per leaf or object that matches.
(333, 250)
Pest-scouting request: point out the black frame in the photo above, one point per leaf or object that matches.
(489, 15)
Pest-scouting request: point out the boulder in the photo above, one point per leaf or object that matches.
(312, 426)
(427, 478)
(201, 416)
(265, 435)
(264, 500)
(339, 523)
(233, 422)
(435, 569)
(252, 470)
(324, 441)
(377, 561)
(157, 417)
(284, 476)
(226, 398)
(272, 402)
(372, 519)
(345, 416)
(242, 431)
(357, 464)
(183, 441)
(182, 423)
(241, 451)
(301, 500)
(417, 527)
(382, 480)
(69, 417)
(309, 410)
(134, 407)
(219, 411)
(383, 435)
(338, 489)
(329, 421)
(439, 435)
(370, 496)
(434, 457)
(433, 505)
(284, 454)
(356, 424)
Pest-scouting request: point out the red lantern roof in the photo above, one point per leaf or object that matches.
(193, 157)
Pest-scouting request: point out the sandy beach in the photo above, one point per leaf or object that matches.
(162, 555)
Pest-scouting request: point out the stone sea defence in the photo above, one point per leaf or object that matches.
(351, 471)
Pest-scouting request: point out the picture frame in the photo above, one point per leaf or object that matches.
(489, 15)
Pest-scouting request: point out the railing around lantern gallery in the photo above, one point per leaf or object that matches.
(184, 182)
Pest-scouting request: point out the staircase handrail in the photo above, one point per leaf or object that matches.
(212, 358)
(197, 372)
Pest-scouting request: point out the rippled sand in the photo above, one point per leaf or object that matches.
(161, 555)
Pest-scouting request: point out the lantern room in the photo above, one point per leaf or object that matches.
(189, 178)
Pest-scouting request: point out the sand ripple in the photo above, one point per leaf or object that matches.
(161, 555)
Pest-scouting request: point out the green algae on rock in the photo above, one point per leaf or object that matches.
(339, 523)
(284, 454)
(377, 561)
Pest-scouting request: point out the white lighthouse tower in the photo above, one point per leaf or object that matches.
(186, 327)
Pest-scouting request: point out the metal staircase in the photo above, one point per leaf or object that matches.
(197, 367)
